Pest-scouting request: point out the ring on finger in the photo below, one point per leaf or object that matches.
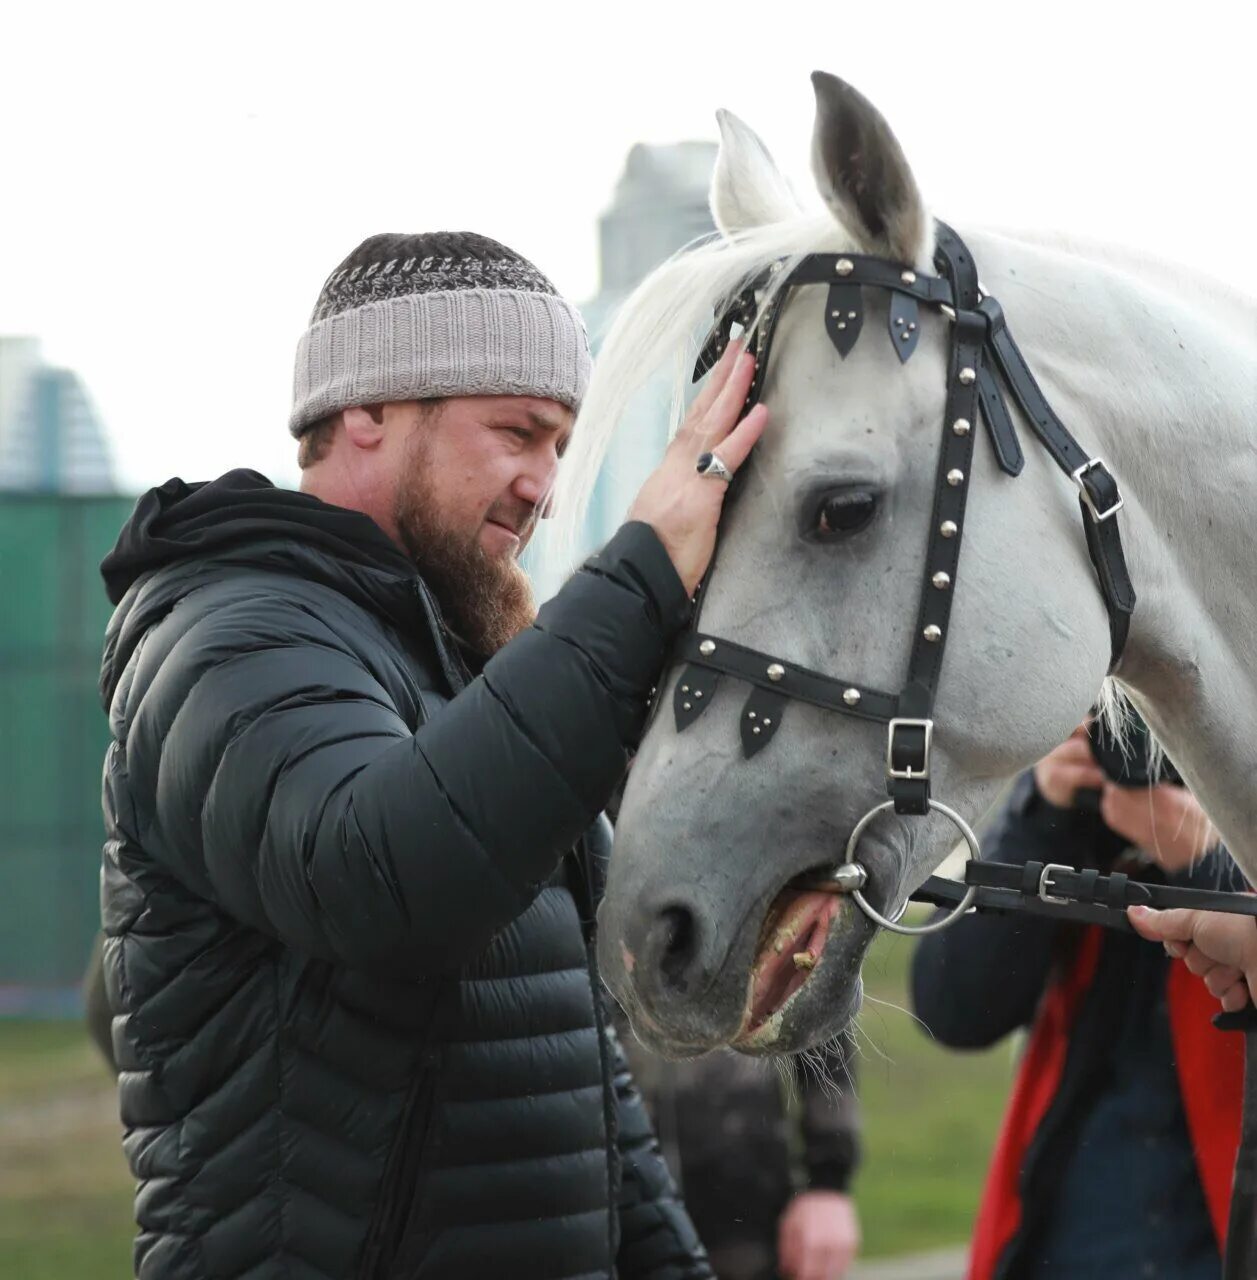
(711, 466)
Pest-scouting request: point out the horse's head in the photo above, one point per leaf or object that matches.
(821, 562)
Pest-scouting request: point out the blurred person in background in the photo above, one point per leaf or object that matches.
(354, 844)
(1117, 1148)
(764, 1154)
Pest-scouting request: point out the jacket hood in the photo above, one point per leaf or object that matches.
(179, 521)
(179, 533)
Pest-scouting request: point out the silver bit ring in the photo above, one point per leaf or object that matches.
(975, 854)
(711, 466)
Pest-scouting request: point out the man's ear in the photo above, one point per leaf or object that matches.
(364, 425)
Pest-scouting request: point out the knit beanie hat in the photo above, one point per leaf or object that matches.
(444, 314)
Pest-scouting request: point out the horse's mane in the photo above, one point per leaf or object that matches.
(660, 326)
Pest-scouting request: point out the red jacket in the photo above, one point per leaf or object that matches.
(1211, 1079)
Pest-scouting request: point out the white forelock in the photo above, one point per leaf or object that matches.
(661, 326)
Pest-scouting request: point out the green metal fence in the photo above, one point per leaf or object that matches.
(52, 731)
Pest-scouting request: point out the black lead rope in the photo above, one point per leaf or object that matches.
(1058, 892)
(1061, 892)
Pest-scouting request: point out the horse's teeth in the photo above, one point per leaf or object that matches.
(804, 960)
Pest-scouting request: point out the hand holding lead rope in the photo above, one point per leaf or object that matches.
(1218, 947)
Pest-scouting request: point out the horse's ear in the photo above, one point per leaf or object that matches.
(862, 174)
(747, 188)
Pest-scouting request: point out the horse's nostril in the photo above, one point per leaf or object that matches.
(679, 943)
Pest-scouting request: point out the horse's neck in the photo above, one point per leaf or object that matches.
(1160, 369)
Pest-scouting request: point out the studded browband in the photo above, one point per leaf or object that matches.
(983, 354)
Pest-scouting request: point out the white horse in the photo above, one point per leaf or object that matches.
(1150, 366)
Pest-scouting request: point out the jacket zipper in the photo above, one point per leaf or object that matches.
(401, 1176)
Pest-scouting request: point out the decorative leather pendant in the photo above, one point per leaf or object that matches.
(999, 424)
(693, 694)
(761, 718)
(844, 314)
(903, 321)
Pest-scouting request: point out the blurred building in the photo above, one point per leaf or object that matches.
(59, 514)
(659, 206)
(51, 439)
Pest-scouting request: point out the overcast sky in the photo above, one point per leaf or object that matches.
(178, 181)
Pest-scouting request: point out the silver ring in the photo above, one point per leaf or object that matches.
(711, 466)
(975, 852)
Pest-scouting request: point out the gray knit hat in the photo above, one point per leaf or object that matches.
(443, 314)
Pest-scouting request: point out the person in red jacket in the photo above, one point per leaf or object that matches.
(1116, 1150)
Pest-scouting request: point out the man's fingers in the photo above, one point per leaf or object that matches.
(721, 418)
(714, 382)
(1236, 998)
(1217, 940)
(1075, 750)
(1082, 776)
(737, 445)
(1221, 978)
(1198, 962)
(1176, 925)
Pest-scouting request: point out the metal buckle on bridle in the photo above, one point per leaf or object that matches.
(908, 772)
(1077, 477)
(1045, 877)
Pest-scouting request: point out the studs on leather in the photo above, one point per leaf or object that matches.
(761, 718)
(693, 694)
(903, 321)
(844, 315)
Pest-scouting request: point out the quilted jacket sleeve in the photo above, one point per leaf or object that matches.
(657, 1238)
(280, 781)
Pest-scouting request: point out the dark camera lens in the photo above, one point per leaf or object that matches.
(1126, 763)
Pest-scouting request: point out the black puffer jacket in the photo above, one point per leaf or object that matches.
(357, 1025)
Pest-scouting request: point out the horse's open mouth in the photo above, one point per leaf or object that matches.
(790, 947)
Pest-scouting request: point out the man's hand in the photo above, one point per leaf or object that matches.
(682, 506)
(1165, 821)
(1068, 769)
(1221, 948)
(818, 1236)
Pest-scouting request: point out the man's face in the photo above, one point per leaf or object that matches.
(489, 465)
(474, 476)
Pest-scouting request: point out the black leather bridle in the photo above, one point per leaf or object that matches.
(983, 356)
(983, 353)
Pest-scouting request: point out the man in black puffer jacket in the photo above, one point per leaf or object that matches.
(353, 828)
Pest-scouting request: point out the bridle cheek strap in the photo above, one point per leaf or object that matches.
(983, 353)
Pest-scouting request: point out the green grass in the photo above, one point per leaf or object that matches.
(65, 1194)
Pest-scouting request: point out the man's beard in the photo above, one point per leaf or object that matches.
(485, 600)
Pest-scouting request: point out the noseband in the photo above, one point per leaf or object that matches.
(983, 354)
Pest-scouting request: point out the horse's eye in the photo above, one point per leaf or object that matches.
(846, 511)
